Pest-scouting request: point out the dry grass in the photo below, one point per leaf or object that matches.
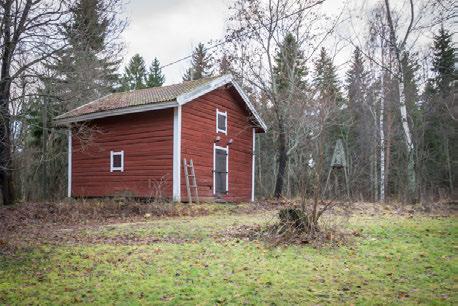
(84, 211)
(396, 259)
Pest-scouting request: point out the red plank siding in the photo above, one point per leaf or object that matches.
(147, 141)
(198, 135)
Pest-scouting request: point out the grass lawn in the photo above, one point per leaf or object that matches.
(396, 260)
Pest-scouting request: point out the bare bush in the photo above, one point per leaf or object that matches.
(294, 225)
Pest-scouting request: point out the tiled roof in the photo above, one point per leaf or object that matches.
(139, 97)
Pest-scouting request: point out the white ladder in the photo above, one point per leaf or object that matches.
(194, 180)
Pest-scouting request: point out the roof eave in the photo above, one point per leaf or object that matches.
(245, 98)
(115, 112)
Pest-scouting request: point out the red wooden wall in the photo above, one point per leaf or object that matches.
(147, 141)
(198, 135)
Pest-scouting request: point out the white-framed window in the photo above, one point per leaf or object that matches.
(221, 122)
(116, 161)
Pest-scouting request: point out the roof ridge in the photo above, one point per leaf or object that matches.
(170, 85)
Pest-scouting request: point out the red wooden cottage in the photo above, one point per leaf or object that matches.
(135, 142)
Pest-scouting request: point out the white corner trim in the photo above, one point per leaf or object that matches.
(112, 155)
(253, 162)
(227, 171)
(117, 112)
(177, 154)
(69, 163)
(218, 130)
(214, 167)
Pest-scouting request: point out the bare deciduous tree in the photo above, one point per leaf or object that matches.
(29, 33)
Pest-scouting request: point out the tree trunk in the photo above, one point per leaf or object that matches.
(389, 133)
(382, 136)
(6, 181)
(411, 180)
(45, 149)
(282, 161)
(449, 165)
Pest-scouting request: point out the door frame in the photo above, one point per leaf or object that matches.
(215, 147)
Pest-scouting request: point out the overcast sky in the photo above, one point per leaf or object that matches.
(170, 29)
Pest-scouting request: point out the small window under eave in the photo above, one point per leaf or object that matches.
(221, 122)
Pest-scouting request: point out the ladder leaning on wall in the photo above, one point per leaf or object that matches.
(190, 173)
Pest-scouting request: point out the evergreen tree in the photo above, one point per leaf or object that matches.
(134, 74)
(360, 137)
(290, 70)
(325, 79)
(201, 64)
(440, 137)
(84, 71)
(330, 102)
(443, 61)
(356, 79)
(224, 65)
(155, 77)
(289, 75)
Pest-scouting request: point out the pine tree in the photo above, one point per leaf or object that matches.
(443, 61)
(84, 71)
(325, 79)
(155, 77)
(440, 137)
(290, 70)
(356, 80)
(225, 65)
(329, 102)
(201, 64)
(134, 76)
(289, 75)
(360, 137)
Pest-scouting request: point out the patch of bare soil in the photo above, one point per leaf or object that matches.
(260, 206)
(34, 223)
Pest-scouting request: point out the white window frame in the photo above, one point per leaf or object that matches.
(112, 155)
(218, 130)
(214, 167)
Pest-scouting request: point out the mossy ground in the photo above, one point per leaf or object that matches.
(411, 260)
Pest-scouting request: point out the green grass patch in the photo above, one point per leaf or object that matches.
(189, 228)
(397, 260)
